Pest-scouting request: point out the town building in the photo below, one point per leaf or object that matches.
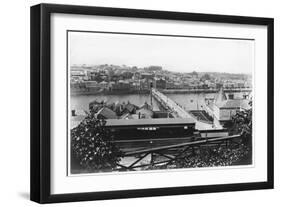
(224, 108)
(145, 111)
(159, 83)
(106, 113)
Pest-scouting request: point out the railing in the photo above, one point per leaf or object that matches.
(171, 153)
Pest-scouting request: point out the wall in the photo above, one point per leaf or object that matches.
(226, 114)
(14, 145)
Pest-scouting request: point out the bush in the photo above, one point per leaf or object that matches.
(92, 146)
(242, 124)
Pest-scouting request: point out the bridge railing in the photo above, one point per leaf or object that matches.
(172, 105)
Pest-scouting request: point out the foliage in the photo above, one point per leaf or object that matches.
(242, 124)
(210, 156)
(92, 145)
(206, 76)
(194, 73)
(215, 156)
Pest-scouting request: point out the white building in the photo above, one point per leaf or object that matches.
(224, 108)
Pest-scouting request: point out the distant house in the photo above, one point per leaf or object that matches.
(144, 113)
(126, 116)
(103, 84)
(118, 108)
(106, 113)
(160, 83)
(90, 84)
(121, 86)
(154, 68)
(147, 76)
(111, 106)
(130, 108)
(96, 105)
(77, 74)
(146, 106)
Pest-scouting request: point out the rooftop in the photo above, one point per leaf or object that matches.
(234, 103)
(107, 113)
(149, 122)
(220, 96)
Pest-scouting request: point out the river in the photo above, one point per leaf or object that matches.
(188, 101)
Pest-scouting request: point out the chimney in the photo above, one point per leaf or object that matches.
(73, 112)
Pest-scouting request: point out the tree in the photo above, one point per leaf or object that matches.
(206, 76)
(92, 145)
(194, 73)
(242, 124)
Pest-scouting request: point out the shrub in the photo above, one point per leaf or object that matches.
(92, 146)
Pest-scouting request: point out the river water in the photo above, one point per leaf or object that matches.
(187, 101)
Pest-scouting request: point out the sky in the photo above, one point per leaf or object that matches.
(178, 54)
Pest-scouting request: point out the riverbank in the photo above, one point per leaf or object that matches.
(85, 92)
(165, 91)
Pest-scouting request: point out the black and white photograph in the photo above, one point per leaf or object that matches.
(143, 102)
(129, 103)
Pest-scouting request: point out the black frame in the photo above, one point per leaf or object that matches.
(40, 102)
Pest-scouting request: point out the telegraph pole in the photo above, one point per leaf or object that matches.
(151, 86)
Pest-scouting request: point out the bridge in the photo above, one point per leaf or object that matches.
(207, 90)
(178, 112)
